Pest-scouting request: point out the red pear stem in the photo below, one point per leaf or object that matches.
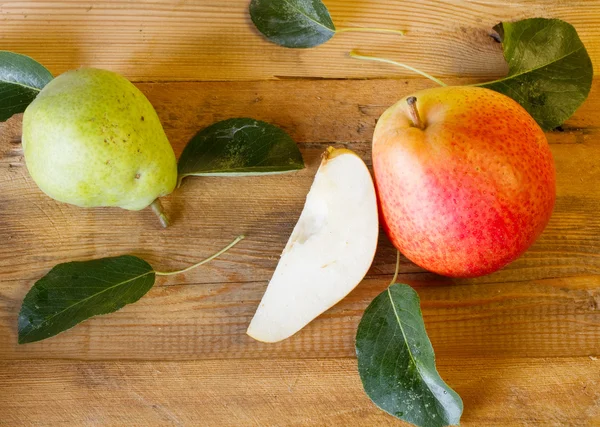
(414, 113)
(158, 209)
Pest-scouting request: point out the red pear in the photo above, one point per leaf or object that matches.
(465, 177)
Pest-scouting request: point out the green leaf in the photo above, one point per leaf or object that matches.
(21, 79)
(397, 365)
(239, 147)
(75, 291)
(293, 23)
(550, 72)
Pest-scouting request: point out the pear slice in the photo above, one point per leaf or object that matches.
(329, 252)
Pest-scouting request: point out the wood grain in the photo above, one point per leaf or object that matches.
(499, 392)
(520, 345)
(187, 321)
(199, 40)
(551, 310)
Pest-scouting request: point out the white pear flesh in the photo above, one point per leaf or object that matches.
(329, 252)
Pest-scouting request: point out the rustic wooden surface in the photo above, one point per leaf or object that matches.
(207, 40)
(520, 345)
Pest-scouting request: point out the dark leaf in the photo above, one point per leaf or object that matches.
(293, 23)
(240, 147)
(21, 79)
(75, 291)
(550, 72)
(397, 365)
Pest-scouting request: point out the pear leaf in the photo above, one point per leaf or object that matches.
(75, 291)
(293, 23)
(21, 79)
(550, 72)
(396, 362)
(239, 147)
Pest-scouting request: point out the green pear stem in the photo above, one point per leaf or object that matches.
(159, 211)
(204, 261)
(356, 55)
(414, 113)
(370, 30)
(397, 268)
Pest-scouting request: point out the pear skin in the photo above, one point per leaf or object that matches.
(91, 138)
(470, 188)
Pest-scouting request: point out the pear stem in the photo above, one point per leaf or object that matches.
(397, 268)
(414, 113)
(370, 30)
(159, 211)
(353, 54)
(204, 261)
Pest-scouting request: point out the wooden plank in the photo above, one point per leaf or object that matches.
(324, 392)
(313, 111)
(187, 321)
(184, 40)
(203, 313)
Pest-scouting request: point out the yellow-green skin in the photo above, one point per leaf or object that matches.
(91, 138)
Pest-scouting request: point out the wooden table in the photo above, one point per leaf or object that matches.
(520, 346)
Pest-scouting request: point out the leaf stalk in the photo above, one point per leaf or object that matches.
(354, 54)
(204, 261)
(370, 30)
(397, 268)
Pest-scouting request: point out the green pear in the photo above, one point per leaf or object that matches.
(91, 138)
